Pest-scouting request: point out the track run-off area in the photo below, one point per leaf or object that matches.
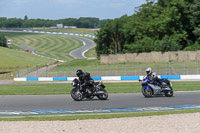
(23, 105)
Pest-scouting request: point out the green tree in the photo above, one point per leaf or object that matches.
(169, 44)
(144, 45)
(25, 17)
(103, 41)
(3, 21)
(3, 41)
(14, 23)
(111, 36)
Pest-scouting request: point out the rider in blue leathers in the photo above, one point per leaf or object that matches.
(153, 77)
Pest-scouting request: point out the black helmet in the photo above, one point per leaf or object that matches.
(79, 72)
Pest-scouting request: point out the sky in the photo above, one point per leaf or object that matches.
(60, 9)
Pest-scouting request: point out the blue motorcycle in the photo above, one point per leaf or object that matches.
(151, 88)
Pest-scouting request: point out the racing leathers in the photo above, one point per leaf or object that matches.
(86, 81)
(153, 77)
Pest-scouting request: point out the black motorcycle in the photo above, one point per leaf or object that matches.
(89, 92)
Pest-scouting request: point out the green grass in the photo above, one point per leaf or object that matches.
(40, 89)
(96, 116)
(91, 53)
(47, 89)
(10, 59)
(55, 46)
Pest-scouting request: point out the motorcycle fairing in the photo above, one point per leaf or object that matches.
(146, 86)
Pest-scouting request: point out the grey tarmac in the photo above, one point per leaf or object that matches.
(122, 100)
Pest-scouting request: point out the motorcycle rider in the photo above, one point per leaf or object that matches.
(85, 79)
(152, 76)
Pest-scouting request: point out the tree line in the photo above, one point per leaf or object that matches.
(3, 41)
(161, 25)
(82, 22)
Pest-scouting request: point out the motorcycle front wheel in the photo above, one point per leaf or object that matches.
(147, 93)
(76, 95)
(103, 96)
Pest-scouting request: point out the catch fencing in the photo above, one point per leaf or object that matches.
(124, 69)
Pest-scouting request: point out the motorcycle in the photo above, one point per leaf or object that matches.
(97, 89)
(151, 88)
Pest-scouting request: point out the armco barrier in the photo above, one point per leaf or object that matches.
(110, 78)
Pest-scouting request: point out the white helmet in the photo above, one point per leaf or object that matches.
(148, 70)
(154, 75)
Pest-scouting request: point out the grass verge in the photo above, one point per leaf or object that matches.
(96, 116)
(91, 53)
(49, 89)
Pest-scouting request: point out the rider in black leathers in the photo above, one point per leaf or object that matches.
(85, 79)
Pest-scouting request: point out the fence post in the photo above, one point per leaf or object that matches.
(124, 69)
(199, 66)
(27, 70)
(70, 72)
(97, 71)
(155, 67)
(170, 67)
(184, 68)
(140, 68)
(47, 70)
(65, 72)
(57, 70)
(109, 69)
(18, 72)
(36, 71)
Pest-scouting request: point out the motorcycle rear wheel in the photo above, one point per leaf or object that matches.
(170, 93)
(76, 95)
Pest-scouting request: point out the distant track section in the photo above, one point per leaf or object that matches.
(79, 53)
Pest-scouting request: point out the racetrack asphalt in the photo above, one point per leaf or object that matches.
(123, 100)
(88, 44)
